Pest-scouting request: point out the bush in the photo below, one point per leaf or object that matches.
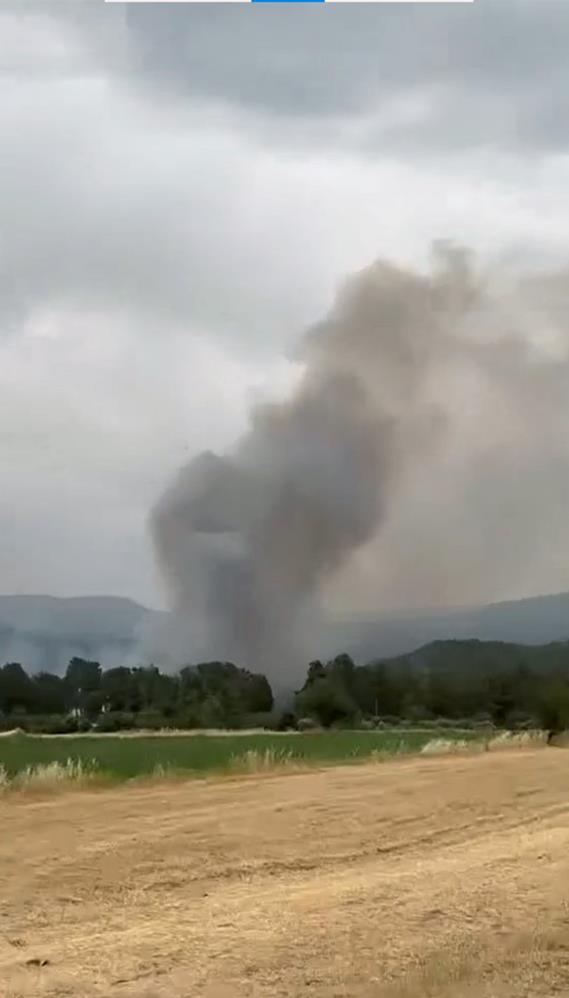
(417, 714)
(8, 723)
(365, 724)
(259, 719)
(212, 713)
(186, 720)
(452, 722)
(326, 700)
(518, 720)
(554, 707)
(151, 720)
(388, 721)
(286, 722)
(55, 725)
(483, 719)
(306, 724)
(115, 721)
(51, 724)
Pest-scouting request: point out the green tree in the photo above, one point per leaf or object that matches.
(83, 678)
(553, 706)
(51, 694)
(16, 689)
(120, 690)
(326, 700)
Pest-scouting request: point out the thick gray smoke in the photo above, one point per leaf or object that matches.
(247, 541)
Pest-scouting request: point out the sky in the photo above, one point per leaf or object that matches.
(183, 189)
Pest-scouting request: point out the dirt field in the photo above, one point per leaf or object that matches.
(421, 877)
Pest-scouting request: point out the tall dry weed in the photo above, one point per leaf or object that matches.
(505, 740)
(518, 739)
(257, 761)
(73, 773)
(450, 746)
(4, 779)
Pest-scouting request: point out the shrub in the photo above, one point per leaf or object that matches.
(518, 739)
(51, 724)
(150, 720)
(306, 724)
(446, 746)
(4, 779)
(518, 720)
(286, 722)
(388, 721)
(259, 719)
(115, 721)
(185, 720)
(52, 775)
(326, 700)
(259, 761)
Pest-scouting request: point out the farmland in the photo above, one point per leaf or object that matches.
(123, 758)
(418, 878)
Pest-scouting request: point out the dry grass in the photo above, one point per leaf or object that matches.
(54, 776)
(561, 740)
(259, 761)
(505, 740)
(444, 973)
(518, 739)
(421, 878)
(488, 966)
(394, 751)
(253, 761)
(447, 746)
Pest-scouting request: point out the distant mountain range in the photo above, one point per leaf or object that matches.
(44, 632)
(537, 620)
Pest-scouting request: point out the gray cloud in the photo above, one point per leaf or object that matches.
(490, 73)
(133, 210)
(421, 79)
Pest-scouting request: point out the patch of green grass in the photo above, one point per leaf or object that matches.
(127, 758)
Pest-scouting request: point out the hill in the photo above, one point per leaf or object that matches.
(471, 656)
(533, 621)
(507, 684)
(44, 632)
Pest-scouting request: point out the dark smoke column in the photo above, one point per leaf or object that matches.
(245, 540)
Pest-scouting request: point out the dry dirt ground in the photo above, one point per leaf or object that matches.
(418, 877)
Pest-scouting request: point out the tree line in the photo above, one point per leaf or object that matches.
(484, 682)
(462, 682)
(210, 694)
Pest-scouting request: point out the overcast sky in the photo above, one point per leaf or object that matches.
(183, 187)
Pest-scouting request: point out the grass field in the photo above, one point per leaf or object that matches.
(125, 758)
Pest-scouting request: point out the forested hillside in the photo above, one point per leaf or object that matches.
(507, 684)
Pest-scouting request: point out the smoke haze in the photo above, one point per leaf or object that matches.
(410, 383)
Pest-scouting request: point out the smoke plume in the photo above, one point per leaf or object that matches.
(247, 541)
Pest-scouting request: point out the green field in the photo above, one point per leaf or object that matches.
(123, 758)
